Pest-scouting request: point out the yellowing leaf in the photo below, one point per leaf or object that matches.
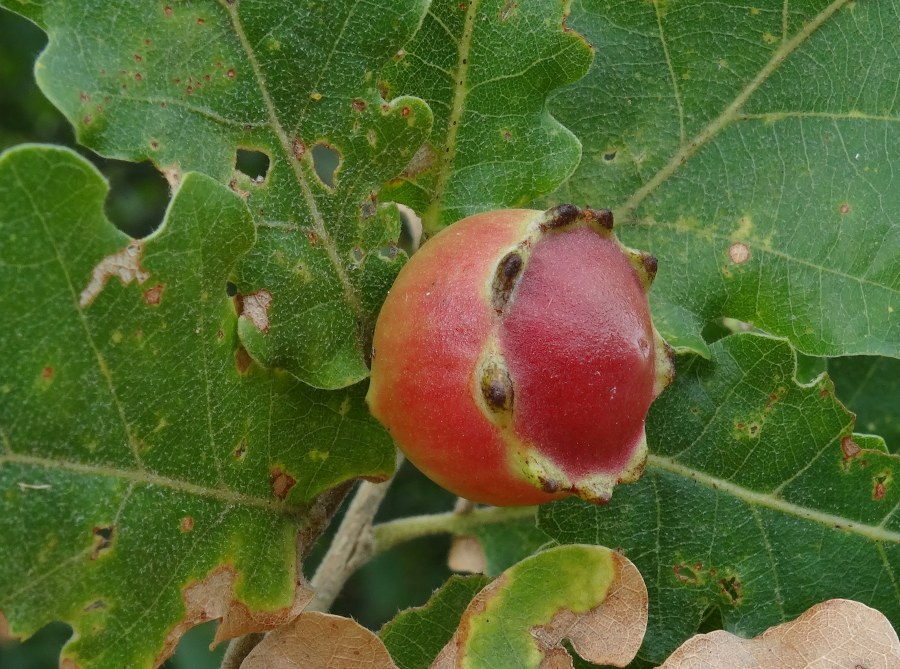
(836, 633)
(589, 595)
(320, 641)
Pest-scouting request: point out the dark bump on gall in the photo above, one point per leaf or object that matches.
(508, 271)
(548, 485)
(560, 216)
(496, 387)
(650, 265)
(604, 217)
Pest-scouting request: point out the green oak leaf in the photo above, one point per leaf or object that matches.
(505, 544)
(187, 85)
(415, 636)
(141, 451)
(870, 387)
(757, 499)
(753, 148)
(486, 67)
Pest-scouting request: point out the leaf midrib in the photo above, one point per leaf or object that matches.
(625, 210)
(147, 478)
(766, 500)
(318, 221)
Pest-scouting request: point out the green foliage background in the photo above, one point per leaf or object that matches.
(726, 201)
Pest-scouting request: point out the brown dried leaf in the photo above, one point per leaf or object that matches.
(609, 632)
(836, 634)
(467, 556)
(213, 598)
(320, 641)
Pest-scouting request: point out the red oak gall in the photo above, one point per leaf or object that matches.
(515, 358)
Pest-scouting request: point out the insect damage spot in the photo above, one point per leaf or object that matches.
(850, 448)
(731, 588)
(172, 173)
(281, 482)
(879, 487)
(421, 161)
(103, 537)
(126, 265)
(739, 253)
(213, 598)
(255, 307)
(507, 9)
(154, 295)
(242, 360)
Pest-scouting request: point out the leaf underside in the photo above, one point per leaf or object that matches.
(141, 451)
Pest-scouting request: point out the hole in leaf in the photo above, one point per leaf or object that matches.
(255, 164)
(138, 196)
(326, 161)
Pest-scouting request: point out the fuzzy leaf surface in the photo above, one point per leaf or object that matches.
(186, 85)
(757, 500)
(150, 474)
(485, 67)
(415, 637)
(755, 150)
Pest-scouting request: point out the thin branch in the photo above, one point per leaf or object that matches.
(387, 535)
(352, 546)
(317, 519)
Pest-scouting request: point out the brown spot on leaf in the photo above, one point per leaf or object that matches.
(103, 537)
(844, 208)
(739, 253)
(850, 448)
(508, 9)
(313, 238)
(125, 264)
(187, 524)
(241, 450)
(172, 173)
(357, 104)
(87, 119)
(154, 295)
(255, 307)
(47, 373)
(242, 360)
(298, 148)
(84, 96)
(281, 482)
(154, 144)
(167, 10)
(96, 605)
(201, 21)
(213, 598)
(231, 73)
(731, 588)
(404, 112)
(421, 161)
